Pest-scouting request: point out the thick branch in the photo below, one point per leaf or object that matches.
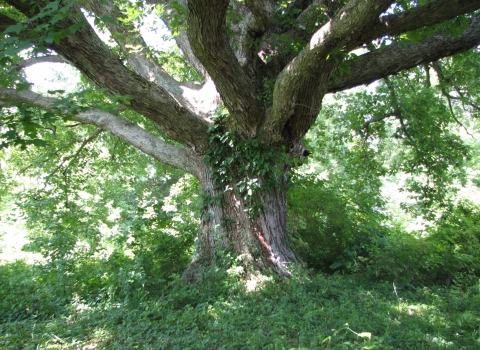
(132, 44)
(427, 15)
(313, 16)
(263, 14)
(41, 59)
(420, 17)
(381, 63)
(94, 59)
(301, 85)
(124, 129)
(208, 37)
(135, 49)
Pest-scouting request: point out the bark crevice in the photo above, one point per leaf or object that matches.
(257, 242)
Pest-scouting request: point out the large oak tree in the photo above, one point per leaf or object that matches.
(265, 67)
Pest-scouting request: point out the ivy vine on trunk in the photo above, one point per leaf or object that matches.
(266, 64)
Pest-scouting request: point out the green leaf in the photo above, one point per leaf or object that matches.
(108, 19)
(73, 29)
(53, 5)
(39, 143)
(23, 86)
(16, 28)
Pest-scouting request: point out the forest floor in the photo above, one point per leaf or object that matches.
(109, 303)
(87, 305)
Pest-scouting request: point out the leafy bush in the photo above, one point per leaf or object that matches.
(457, 239)
(448, 254)
(401, 258)
(327, 229)
(118, 245)
(20, 297)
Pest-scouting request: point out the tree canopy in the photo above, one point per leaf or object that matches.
(233, 103)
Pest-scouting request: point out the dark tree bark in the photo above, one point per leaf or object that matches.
(258, 241)
(273, 94)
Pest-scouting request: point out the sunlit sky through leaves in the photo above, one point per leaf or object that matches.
(60, 76)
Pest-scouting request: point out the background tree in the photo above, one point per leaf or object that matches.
(262, 71)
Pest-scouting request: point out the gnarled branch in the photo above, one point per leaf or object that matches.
(40, 59)
(193, 96)
(132, 44)
(122, 128)
(301, 85)
(209, 40)
(390, 60)
(92, 57)
(424, 16)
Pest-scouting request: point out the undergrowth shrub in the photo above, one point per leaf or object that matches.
(306, 311)
(400, 257)
(445, 255)
(457, 239)
(111, 250)
(20, 295)
(328, 230)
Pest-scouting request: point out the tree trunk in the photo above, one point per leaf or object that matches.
(232, 228)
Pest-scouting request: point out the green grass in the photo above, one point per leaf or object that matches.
(42, 309)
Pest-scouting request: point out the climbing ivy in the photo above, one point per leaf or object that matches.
(247, 166)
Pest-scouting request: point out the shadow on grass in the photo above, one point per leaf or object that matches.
(40, 308)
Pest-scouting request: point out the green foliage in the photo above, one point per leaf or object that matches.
(334, 202)
(98, 202)
(285, 44)
(4, 186)
(162, 241)
(453, 27)
(435, 155)
(175, 64)
(287, 17)
(447, 254)
(245, 165)
(267, 94)
(20, 127)
(328, 230)
(176, 14)
(23, 125)
(317, 312)
(21, 299)
(39, 36)
(407, 128)
(412, 130)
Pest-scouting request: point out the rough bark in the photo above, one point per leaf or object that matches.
(207, 33)
(122, 128)
(258, 241)
(235, 68)
(396, 58)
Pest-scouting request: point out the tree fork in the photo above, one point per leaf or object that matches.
(299, 79)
